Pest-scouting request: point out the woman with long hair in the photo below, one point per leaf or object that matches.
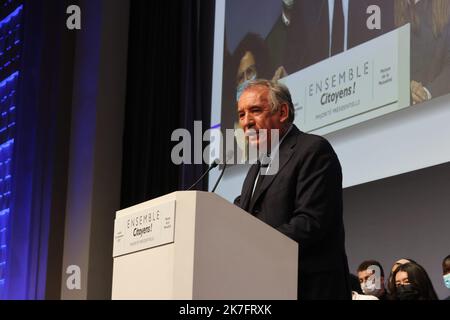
(410, 281)
(390, 283)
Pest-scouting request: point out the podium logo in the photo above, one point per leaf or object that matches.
(73, 22)
(73, 281)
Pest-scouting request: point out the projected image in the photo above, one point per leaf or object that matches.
(430, 46)
(344, 61)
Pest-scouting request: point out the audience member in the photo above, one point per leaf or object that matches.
(391, 283)
(411, 282)
(446, 273)
(367, 276)
(357, 293)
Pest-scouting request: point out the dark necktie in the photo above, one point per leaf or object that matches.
(253, 175)
(262, 167)
(337, 38)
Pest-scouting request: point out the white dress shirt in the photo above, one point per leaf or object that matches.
(273, 154)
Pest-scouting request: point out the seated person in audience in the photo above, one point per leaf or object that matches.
(446, 273)
(367, 276)
(357, 293)
(354, 284)
(391, 283)
(411, 282)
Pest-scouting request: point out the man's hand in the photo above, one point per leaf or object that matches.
(418, 92)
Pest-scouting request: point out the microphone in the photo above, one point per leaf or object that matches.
(214, 164)
(230, 155)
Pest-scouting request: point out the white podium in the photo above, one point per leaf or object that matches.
(196, 245)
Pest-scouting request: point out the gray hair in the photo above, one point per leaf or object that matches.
(278, 94)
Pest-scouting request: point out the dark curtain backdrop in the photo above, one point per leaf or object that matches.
(41, 152)
(168, 87)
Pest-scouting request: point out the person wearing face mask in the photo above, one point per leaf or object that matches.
(251, 61)
(357, 293)
(246, 72)
(391, 282)
(371, 279)
(412, 283)
(446, 273)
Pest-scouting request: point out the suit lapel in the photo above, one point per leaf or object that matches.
(248, 187)
(285, 153)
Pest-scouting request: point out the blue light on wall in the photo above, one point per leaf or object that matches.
(10, 49)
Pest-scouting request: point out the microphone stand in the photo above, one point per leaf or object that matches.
(220, 177)
(212, 166)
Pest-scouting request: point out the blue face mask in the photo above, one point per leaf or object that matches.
(240, 88)
(447, 280)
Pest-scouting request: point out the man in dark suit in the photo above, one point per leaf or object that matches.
(297, 39)
(303, 200)
(309, 31)
(286, 40)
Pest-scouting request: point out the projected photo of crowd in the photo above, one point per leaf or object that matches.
(384, 54)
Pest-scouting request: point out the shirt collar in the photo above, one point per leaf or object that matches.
(286, 21)
(267, 160)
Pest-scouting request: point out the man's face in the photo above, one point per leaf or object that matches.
(363, 276)
(254, 114)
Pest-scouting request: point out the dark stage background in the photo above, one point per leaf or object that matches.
(168, 87)
(96, 109)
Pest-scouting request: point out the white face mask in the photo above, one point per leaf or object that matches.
(369, 288)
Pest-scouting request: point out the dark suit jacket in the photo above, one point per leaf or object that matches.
(288, 45)
(315, 34)
(315, 21)
(306, 40)
(304, 201)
